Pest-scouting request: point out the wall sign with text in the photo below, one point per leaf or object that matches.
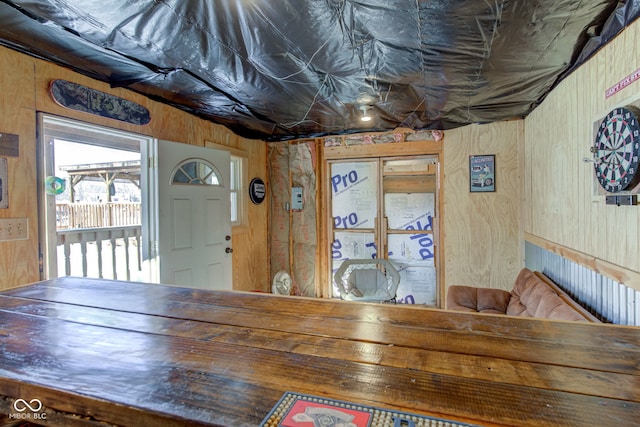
(257, 191)
(482, 173)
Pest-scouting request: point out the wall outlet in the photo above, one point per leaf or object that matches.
(14, 229)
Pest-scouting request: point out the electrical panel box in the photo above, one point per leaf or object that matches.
(296, 198)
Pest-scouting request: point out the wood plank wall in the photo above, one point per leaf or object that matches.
(24, 91)
(18, 259)
(562, 209)
(482, 240)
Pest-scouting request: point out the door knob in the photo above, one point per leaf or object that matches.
(228, 250)
(227, 238)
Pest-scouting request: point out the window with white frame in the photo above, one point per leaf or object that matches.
(237, 186)
(238, 182)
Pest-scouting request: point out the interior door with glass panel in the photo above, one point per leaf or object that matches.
(387, 208)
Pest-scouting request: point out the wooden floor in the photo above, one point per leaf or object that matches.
(122, 353)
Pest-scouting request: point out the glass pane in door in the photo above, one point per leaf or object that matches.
(349, 245)
(413, 256)
(354, 194)
(410, 209)
(354, 208)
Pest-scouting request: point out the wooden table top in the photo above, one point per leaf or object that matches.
(137, 354)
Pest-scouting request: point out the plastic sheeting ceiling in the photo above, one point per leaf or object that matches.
(277, 70)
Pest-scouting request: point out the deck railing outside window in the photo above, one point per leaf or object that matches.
(99, 240)
(96, 215)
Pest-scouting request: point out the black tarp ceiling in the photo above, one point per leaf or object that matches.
(288, 69)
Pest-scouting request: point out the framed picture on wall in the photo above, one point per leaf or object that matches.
(482, 173)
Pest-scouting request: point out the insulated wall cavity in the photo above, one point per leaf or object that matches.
(293, 236)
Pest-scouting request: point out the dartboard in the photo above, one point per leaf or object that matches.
(617, 150)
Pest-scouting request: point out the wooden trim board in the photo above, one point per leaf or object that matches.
(623, 275)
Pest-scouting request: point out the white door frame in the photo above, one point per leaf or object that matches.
(52, 127)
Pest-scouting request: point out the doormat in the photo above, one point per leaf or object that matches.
(299, 410)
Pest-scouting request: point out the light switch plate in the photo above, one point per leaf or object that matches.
(14, 229)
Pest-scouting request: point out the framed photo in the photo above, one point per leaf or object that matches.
(482, 173)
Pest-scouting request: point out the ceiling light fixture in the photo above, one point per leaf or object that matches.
(365, 117)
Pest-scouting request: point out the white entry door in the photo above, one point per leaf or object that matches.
(193, 216)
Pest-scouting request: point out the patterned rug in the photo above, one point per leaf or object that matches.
(299, 410)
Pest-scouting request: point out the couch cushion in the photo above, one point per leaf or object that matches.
(481, 300)
(532, 297)
(493, 300)
(462, 298)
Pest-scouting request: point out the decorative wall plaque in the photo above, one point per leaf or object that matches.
(82, 98)
(257, 191)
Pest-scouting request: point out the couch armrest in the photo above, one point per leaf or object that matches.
(481, 300)
(567, 299)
